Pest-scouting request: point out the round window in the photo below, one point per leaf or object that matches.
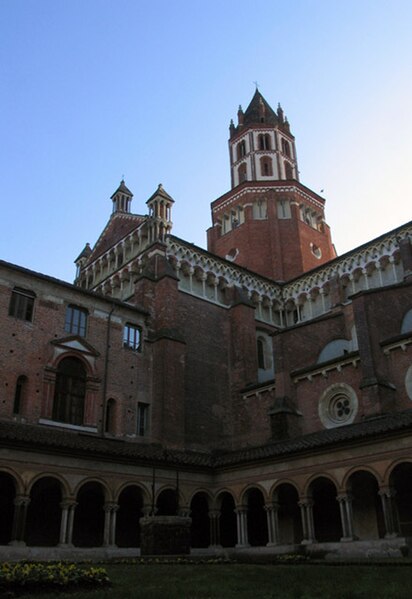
(338, 405)
(316, 251)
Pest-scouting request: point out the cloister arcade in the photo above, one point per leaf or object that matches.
(47, 513)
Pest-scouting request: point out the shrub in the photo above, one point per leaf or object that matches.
(33, 576)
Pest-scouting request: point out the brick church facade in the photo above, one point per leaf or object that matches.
(262, 387)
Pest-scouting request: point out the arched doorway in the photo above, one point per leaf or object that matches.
(128, 515)
(167, 503)
(368, 522)
(227, 521)
(257, 527)
(7, 497)
(326, 515)
(289, 519)
(88, 525)
(200, 528)
(401, 481)
(44, 513)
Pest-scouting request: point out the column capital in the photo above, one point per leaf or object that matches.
(387, 492)
(214, 514)
(20, 500)
(344, 497)
(271, 506)
(305, 502)
(240, 509)
(68, 503)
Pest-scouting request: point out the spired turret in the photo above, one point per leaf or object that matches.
(261, 147)
(160, 213)
(122, 198)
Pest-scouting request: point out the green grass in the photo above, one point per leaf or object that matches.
(249, 581)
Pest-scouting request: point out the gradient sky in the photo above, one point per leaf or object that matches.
(91, 90)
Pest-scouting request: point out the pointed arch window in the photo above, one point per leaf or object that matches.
(70, 391)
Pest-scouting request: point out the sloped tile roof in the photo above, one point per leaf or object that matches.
(367, 429)
(49, 439)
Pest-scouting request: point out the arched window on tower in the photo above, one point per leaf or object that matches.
(241, 149)
(288, 170)
(286, 147)
(266, 166)
(70, 391)
(264, 141)
(242, 172)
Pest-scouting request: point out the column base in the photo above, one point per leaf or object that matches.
(17, 544)
(65, 545)
(239, 546)
(308, 541)
(348, 539)
(272, 544)
(391, 535)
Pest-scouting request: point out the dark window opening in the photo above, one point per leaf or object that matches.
(70, 392)
(142, 419)
(22, 304)
(76, 321)
(261, 353)
(19, 394)
(132, 335)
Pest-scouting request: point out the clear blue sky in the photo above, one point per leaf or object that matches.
(95, 89)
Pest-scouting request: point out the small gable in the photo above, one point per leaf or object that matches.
(118, 227)
(75, 343)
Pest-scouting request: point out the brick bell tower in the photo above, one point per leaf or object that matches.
(268, 222)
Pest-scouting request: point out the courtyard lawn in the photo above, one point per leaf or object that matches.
(249, 581)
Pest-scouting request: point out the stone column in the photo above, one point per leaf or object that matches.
(110, 510)
(242, 536)
(273, 523)
(66, 522)
(21, 503)
(214, 520)
(389, 513)
(113, 514)
(306, 511)
(346, 516)
(70, 522)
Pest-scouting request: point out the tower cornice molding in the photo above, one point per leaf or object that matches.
(261, 189)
